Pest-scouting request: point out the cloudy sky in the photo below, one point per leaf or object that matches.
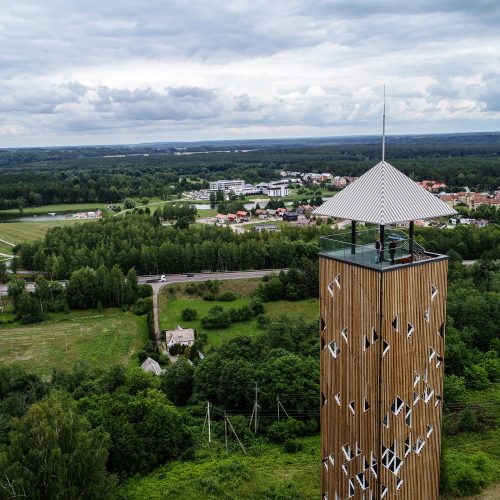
(123, 71)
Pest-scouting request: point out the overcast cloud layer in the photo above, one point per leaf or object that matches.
(121, 71)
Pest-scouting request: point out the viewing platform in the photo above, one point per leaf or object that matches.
(363, 252)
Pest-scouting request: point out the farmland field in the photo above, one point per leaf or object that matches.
(96, 338)
(172, 305)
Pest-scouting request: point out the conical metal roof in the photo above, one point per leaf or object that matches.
(384, 195)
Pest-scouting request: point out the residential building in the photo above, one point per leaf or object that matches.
(290, 216)
(382, 316)
(241, 216)
(180, 336)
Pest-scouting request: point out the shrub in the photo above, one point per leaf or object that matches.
(466, 473)
(454, 389)
(279, 432)
(142, 306)
(189, 314)
(216, 318)
(467, 420)
(129, 203)
(287, 491)
(449, 426)
(292, 446)
(144, 291)
(226, 296)
(209, 297)
(191, 289)
(257, 306)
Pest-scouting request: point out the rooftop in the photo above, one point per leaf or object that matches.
(382, 196)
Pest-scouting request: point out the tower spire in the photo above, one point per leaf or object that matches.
(383, 131)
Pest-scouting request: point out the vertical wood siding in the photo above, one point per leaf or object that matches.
(369, 300)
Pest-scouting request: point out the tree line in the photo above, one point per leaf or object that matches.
(35, 177)
(140, 242)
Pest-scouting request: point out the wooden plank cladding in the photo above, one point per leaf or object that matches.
(382, 349)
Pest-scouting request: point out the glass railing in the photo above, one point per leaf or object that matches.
(395, 251)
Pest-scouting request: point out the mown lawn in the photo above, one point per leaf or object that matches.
(266, 472)
(96, 338)
(172, 305)
(6, 249)
(20, 232)
(60, 209)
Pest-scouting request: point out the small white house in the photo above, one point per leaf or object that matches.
(180, 336)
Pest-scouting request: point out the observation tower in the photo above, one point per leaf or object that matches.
(383, 313)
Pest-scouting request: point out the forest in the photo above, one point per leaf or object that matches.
(34, 177)
(142, 243)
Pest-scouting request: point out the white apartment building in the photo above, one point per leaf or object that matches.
(235, 185)
(274, 191)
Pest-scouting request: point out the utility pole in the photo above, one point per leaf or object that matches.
(225, 430)
(280, 406)
(208, 414)
(256, 406)
(207, 420)
(235, 435)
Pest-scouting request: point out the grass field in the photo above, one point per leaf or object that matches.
(20, 232)
(266, 472)
(60, 209)
(97, 338)
(171, 307)
(4, 248)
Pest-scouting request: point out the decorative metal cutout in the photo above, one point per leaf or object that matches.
(410, 330)
(334, 348)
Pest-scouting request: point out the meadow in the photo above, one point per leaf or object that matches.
(95, 338)
(174, 299)
(266, 472)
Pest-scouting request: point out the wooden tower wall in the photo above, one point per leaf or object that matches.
(364, 313)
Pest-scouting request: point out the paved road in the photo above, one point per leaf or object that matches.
(156, 284)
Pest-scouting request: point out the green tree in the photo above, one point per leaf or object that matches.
(3, 272)
(189, 314)
(129, 203)
(177, 382)
(454, 389)
(28, 309)
(54, 454)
